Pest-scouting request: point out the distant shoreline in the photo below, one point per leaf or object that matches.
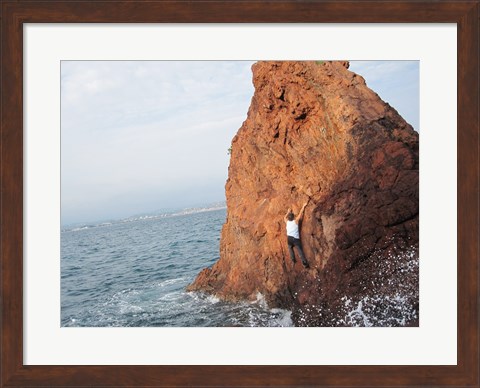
(174, 213)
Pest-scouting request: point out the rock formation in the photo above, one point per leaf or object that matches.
(316, 132)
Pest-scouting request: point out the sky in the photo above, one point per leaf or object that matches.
(143, 136)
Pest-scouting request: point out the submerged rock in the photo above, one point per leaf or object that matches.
(316, 132)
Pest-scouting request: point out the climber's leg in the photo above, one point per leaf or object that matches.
(298, 245)
(291, 243)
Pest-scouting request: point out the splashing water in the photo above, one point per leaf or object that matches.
(389, 299)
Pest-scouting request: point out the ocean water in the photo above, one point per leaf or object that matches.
(133, 273)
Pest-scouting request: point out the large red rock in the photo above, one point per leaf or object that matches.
(315, 131)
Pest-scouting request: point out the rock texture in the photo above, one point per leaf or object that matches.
(316, 132)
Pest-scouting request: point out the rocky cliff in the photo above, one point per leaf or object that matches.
(316, 132)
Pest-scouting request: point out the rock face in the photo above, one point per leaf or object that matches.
(316, 132)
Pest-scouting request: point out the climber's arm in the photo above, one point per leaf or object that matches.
(300, 215)
(286, 215)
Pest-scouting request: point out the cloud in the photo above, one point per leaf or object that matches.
(139, 135)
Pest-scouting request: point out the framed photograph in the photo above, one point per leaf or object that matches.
(109, 143)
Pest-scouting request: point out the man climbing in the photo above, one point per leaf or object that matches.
(293, 234)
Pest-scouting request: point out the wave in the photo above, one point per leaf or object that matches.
(243, 314)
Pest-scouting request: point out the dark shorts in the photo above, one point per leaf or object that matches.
(294, 242)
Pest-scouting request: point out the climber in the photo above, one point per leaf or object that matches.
(293, 233)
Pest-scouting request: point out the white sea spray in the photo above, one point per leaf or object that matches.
(390, 297)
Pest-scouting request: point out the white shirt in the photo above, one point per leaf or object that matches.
(292, 229)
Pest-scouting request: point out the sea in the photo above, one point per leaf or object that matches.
(134, 273)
